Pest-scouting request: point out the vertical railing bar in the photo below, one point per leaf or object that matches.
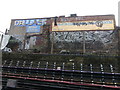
(53, 73)
(63, 68)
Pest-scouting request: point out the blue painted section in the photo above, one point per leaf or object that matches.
(33, 29)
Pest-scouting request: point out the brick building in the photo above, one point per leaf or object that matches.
(73, 33)
(33, 33)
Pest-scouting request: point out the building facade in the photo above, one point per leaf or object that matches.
(32, 33)
(76, 34)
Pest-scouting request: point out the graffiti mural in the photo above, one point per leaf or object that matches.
(93, 40)
(103, 36)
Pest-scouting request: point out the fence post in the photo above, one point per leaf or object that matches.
(23, 67)
(72, 73)
(113, 77)
(37, 72)
(46, 67)
(81, 75)
(38, 66)
(91, 70)
(4, 63)
(102, 72)
(63, 68)
(54, 67)
(10, 66)
(17, 64)
(29, 71)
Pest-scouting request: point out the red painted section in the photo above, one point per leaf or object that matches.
(64, 82)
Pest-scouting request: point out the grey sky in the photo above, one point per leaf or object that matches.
(21, 9)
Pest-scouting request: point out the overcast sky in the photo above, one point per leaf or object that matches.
(22, 9)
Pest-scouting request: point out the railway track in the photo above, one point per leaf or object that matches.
(35, 83)
(43, 77)
(67, 79)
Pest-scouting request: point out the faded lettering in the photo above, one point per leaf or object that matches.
(39, 22)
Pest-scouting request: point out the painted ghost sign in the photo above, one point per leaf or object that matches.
(32, 25)
(103, 22)
(30, 22)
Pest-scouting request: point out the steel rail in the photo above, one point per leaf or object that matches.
(75, 71)
(63, 82)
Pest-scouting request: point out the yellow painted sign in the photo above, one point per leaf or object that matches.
(84, 25)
